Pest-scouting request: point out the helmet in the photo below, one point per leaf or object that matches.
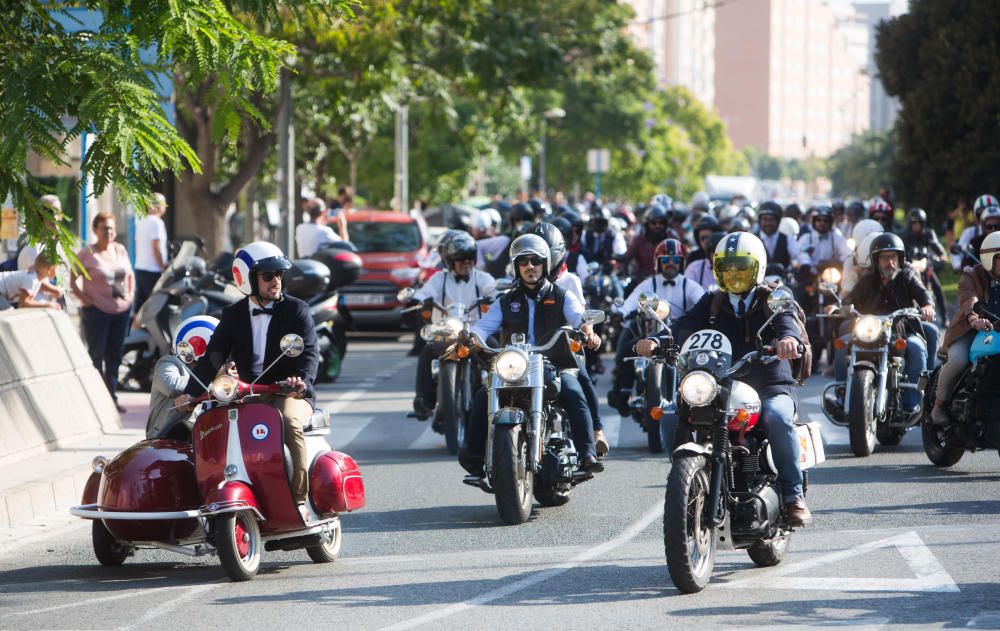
(769, 208)
(557, 246)
(494, 216)
(482, 222)
(917, 215)
(989, 249)
(740, 259)
(879, 205)
(670, 247)
(837, 205)
(538, 208)
(564, 226)
(520, 212)
(864, 247)
(822, 212)
(259, 256)
(886, 242)
(599, 217)
(626, 215)
(989, 213)
(196, 331)
(982, 202)
(794, 211)
(856, 210)
(573, 218)
(789, 226)
(461, 246)
(748, 212)
(527, 245)
(662, 199)
(740, 224)
(862, 244)
(707, 223)
(700, 200)
(728, 213)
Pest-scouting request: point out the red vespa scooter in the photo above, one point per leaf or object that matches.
(227, 492)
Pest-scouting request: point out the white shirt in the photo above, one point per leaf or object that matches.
(830, 246)
(12, 284)
(572, 285)
(309, 237)
(147, 230)
(681, 296)
(795, 253)
(258, 330)
(964, 239)
(700, 271)
(581, 270)
(445, 289)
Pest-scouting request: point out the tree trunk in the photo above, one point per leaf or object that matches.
(353, 161)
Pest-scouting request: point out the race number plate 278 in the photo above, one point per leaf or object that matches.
(708, 340)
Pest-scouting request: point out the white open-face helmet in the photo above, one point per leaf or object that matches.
(989, 249)
(259, 256)
(196, 331)
(739, 262)
(789, 227)
(859, 236)
(864, 247)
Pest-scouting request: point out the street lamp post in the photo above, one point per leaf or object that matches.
(554, 113)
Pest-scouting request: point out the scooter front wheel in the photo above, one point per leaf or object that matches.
(237, 538)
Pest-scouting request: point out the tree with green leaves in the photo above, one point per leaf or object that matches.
(941, 60)
(859, 168)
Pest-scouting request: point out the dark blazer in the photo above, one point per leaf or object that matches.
(768, 380)
(232, 340)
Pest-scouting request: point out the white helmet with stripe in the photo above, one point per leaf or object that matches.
(739, 262)
(196, 331)
(259, 256)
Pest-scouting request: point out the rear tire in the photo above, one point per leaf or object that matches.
(109, 551)
(238, 541)
(513, 479)
(689, 539)
(653, 396)
(327, 552)
(861, 420)
(772, 551)
(934, 438)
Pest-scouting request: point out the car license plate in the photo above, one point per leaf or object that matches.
(365, 299)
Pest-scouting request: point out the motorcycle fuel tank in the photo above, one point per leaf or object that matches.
(150, 476)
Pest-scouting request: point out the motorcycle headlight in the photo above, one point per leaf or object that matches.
(511, 365)
(224, 388)
(698, 388)
(454, 325)
(830, 275)
(867, 329)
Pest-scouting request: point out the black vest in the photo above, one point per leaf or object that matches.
(597, 247)
(548, 318)
(781, 254)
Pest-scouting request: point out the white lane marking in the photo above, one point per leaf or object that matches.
(102, 599)
(856, 624)
(346, 428)
(930, 574)
(167, 606)
(428, 439)
(502, 592)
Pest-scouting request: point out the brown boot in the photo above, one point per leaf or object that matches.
(797, 514)
(601, 444)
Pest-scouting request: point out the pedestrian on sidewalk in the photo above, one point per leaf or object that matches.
(26, 289)
(150, 249)
(105, 296)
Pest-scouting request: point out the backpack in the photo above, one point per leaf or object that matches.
(801, 367)
(10, 265)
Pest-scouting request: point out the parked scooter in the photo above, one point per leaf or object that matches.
(228, 493)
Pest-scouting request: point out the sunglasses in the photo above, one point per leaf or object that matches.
(465, 258)
(991, 227)
(657, 224)
(670, 260)
(269, 276)
(533, 261)
(822, 220)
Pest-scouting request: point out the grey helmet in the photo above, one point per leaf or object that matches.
(527, 245)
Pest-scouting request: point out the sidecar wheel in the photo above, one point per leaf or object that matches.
(771, 552)
(329, 551)
(689, 538)
(237, 537)
(109, 551)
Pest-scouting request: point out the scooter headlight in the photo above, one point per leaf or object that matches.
(698, 388)
(867, 329)
(224, 388)
(511, 365)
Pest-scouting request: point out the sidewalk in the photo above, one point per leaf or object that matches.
(48, 484)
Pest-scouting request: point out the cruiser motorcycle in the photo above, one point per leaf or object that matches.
(227, 493)
(653, 389)
(723, 485)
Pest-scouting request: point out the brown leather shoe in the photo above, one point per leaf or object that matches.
(797, 514)
(601, 444)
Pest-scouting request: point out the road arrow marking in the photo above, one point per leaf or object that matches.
(930, 575)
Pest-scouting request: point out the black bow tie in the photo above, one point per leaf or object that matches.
(670, 282)
(256, 312)
(461, 279)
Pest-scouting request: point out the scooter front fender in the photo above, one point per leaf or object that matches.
(231, 497)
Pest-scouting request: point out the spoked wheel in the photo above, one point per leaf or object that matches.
(109, 551)
(653, 396)
(514, 480)
(770, 552)
(328, 551)
(689, 538)
(861, 420)
(237, 538)
(937, 438)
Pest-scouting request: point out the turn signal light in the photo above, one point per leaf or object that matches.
(575, 346)
(839, 344)
(742, 416)
(656, 413)
(463, 351)
(900, 344)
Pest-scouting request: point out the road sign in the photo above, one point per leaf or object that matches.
(598, 160)
(525, 168)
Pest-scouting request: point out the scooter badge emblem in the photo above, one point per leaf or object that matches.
(702, 359)
(233, 415)
(259, 431)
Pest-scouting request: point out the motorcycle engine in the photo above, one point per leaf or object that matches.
(756, 514)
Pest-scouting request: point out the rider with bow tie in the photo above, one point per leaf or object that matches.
(669, 285)
(461, 282)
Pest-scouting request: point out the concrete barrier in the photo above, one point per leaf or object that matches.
(50, 392)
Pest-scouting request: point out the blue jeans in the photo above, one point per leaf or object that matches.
(916, 362)
(777, 413)
(105, 337)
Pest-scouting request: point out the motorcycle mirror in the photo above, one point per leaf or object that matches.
(185, 352)
(292, 345)
(405, 294)
(780, 300)
(504, 284)
(648, 300)
(618, 302)
(829, 288)
(593, 267)
(593, 316)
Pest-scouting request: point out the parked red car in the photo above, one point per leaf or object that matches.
(392, 246)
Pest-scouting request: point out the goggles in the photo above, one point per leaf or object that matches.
(735, 264)
(670, 259)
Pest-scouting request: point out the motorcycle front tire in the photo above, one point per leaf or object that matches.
(689, 538)
(652, 397)
(513, 478)
(861, 420)
(450, 409)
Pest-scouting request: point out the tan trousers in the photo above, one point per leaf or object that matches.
(297, 414)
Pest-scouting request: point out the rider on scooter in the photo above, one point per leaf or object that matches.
(167, 410)
(735, 310)
(246, 342)
(536, 308)
(460, 282)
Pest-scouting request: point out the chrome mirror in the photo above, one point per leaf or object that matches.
(504, 284)
(780, 300)
(292, 345)
(405, 294)
(185, 352)
(593, 316)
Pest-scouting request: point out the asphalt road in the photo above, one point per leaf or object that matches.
(896, 543)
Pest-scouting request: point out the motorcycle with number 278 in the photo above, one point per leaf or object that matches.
(723, 485)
